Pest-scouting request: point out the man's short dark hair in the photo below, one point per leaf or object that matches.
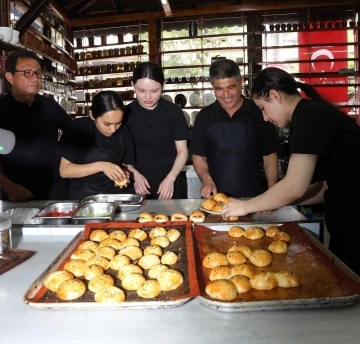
(224, 69)
(12, 60)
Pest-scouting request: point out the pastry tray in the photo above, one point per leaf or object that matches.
(326, 281)
(123, 202)
(39, 297)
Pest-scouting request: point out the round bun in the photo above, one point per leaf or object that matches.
(98, 260)
(287, 279)
(129, 242)
(220, 272)
(197, 216)
(76, 267)
(217, 208)
(209, 204)
(99, 282)
(145, 217)
(54, 279)
(88, 245)
(236, 231)
(106, 252)
(233, 218)
(245, 250)
(271, 231)
(264, 280)
(161, 240)
(214, 259)
(118, 235)
(149, 289)
(93, 270)
(236, 257)
(71, 289)
(155, 270)
(154, 249)
(133, 252)
(242, 269)
(178, 217)
(121, 182)
(170, 279)
(161, 218)
(98, 235)
(112, 242)
(138, 234)
(260, 257)
(119, 261)
(278, 246)
(220, 198)
(157, 231)
(242, 283)
(148, 260)
(223, 290)
(254, 233)
(132, 281)
(173, 234)
(110, 294)
(169, 258)
(128, 269)
(282, 236)
(83, 254)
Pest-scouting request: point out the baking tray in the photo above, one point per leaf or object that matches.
(43, 215)
(37, 296)
(326, 282)
(86, 212)
(123, 202)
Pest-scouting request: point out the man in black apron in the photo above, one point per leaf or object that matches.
(231, 139)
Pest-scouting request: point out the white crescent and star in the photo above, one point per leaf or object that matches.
(322, 52)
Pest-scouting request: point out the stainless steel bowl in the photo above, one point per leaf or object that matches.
(94, 212)
(46, 217)
(123, 202)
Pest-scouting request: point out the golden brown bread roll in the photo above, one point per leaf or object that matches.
(254, 233)
(161, 218)
(154, 249)
(236, 257)
(242, 269)
(264, 280)
(245, 250)
(138, 234)
(132, 281)
(197, 216)
(149, 289)
(169, 258)
(260, 257)
(71, 289)
(105, 251)
(170, 279)
(121, 182)
(128, 269)
(112, 242)
(155, 270)
(98, 260)
(157, 231)
(233, 218)
(287, 279)
(236, 231)
(146, 217)
(271, 231)
(93, 270)
(282, 236)
(76, 267)
(160, 240)
(98, 235)
(220, 272)
(220, 198)
(133, 252)
(110, 294)
(129, 242)
(100, 281)
(88, 245)
(278, 246)
(208, 204)
(118, 235)
(118, 261)
(55, 278)
(178, 217)
(148, 260)
(242, 283)
(223, 290)
(83, 254)
(173, 234)
(214, 259)
(216, 208)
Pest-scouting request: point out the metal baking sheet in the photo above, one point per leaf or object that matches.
(124, 202)
(326, 282)
(37, 296)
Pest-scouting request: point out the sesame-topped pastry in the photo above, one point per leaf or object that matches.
(215, 259)
(260, 257)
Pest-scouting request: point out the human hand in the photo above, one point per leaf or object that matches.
(141, 185)
(207, 190)
(234, 207)
(166, 188)
(18, 193)
(114, 172)
(266, 212)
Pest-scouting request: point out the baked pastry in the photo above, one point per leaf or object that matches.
(121, 182)
(220, 272)
(98, 235)
(105, 251)
(197, 216)
(245, 250)
(98, 260)
(54, 279)
(233, 218)
(145, 217)
(161, 240)
(214, 259)
(278, 246)
(133, 252)
(236, 231)
(129, 242)
(220, 198)
(82, 254)
(217, 208)
(149, 289)
(242, 283)
(88, 245)
(157, 231)
(93, 270)
(287, 279)
(223, 290)
(161, 218)
(118, 235)
(282, 236)
(76, 267)
(209, 204)
(271, 231)
(254, 233)
(155, 270)
(100, 281)
(138, 234)
(132, 281)
(128, 269)
(178, 217)
(260, 257)
(71, 289)
(154, 249)
(235, 257)
(119, 261)
(264, 280)
(148, 260)
(242, 269)
(110, 294)
(170, 279)
(112, 242)
(173, 234)
(169, 258)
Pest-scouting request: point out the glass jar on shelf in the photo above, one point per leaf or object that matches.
(140, 49)
(126, 66)
(88, 55)
(120, 38)
(135, 37)
(91, 83)
(120, 67)
(128, 50)
(122, 51)
(132, 65)
(119, 81)
(117, 52)
(134, 50)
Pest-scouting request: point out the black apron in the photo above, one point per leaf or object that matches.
(234, 157)
(98, 183)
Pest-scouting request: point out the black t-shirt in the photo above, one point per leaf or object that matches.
(155, 132)
(32, 162)
(214, 113)
(321, 129)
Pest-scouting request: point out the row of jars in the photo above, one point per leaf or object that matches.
(114, 52)
(91, 40)
(108, 82)
(107, 68)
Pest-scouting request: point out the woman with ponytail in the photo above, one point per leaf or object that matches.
(324, 162)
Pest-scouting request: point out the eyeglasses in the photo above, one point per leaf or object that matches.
(30, 73)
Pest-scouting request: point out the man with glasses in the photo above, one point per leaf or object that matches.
(31, 170)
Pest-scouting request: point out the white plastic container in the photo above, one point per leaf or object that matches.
(5, 236)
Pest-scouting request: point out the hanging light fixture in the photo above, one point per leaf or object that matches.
(166, 7)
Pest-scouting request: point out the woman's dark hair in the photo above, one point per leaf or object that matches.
(12, 60)
(224, 69)
(148, 70)
(273, 78)
(106, 101)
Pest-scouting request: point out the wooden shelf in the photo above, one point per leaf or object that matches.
(9, 47)
(100, 74)
(96, 47)
(113, 58)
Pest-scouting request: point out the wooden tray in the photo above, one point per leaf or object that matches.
(326, 282)
(39, 297)
(13, 259)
